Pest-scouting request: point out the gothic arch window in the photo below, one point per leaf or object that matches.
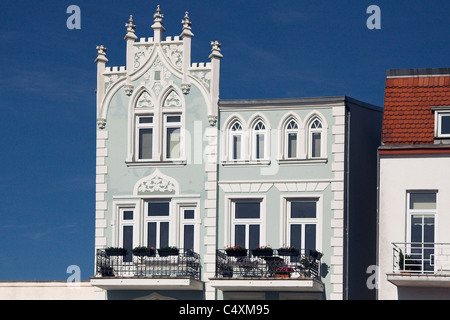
(291, 139)
(259, 141)
(156, 127)
(236, 143)
(315, 139)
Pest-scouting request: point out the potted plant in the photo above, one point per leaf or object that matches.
(283, 272)
(288, 251)
(236, 251)
(226, 270)
(168, 251)
(262, 251)
(142, 251)
(317, 255)
(115, 251)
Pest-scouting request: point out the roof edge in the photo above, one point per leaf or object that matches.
(288, 101)
(398, 73)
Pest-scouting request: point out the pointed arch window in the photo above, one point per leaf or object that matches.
(156, 128)
(292, 140)
(236, 143)
(259, 149)
(315, 139)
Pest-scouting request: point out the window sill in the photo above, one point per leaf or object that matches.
(246, 163)
(302, 161)
(155, 163)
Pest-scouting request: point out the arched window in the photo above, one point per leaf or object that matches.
(315, 139)
(259, 148)
(291, 138)
(236, 143)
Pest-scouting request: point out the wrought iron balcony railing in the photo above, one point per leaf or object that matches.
(295, 265)
(421, 258)
(185, 263)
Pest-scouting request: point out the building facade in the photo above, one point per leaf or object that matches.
(414, 161)
(179, 169)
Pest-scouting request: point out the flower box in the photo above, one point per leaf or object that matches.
(115, 252)
(262, 252)
(282, 275)
(165, 252)
(236, 251)
(143, 252)
(288, 252)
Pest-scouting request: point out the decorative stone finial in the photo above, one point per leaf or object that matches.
(215, 45)
(215, 51)
(186, 22)
(130, 26)
(158, 16)
(101, 54)
(101, 50)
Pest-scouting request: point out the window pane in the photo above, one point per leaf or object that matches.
(296, 235)
(303, 209)
(422, 200)
(173, 118)
(146, 120)
(247, 210)
(189, 237)
(163, 234)
(173, 143)
(445, 124)
(145, 143)
(151, 234)
(128, 215)
(310, 236)
(316, 142)
(189, 214)
(253, 236)
(239, 235)
(259, 146)
(292, 145)
(128, 242)
(236, 147)
(157, 209)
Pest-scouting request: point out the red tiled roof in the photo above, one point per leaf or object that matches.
(408, 118)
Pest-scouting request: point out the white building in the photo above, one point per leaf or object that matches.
(414, 186)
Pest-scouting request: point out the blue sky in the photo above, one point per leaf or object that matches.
(272, 49)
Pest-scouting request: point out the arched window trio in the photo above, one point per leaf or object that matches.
(296, 141)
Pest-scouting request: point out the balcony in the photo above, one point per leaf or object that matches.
(420, 264)
(148, 272)
(276, 272)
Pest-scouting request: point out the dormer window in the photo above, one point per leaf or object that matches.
(442, 123)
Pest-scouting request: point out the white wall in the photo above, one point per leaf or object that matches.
(48, 291)
(397, 176)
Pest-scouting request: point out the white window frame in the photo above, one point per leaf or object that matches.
(196, 221)
(288, 131)
(286, 220)
(230, 221)
(311, 131)
(119, 222)
(158, 220)
(168, 125)
(260, 132)
(144, 126)
(231, 134)
(439, 113)
(421, 212)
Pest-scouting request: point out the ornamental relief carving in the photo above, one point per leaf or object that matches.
(172, 100)
(144, 101)
(204, 76)
(175, 54)
(156, 183)
(141, 55)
